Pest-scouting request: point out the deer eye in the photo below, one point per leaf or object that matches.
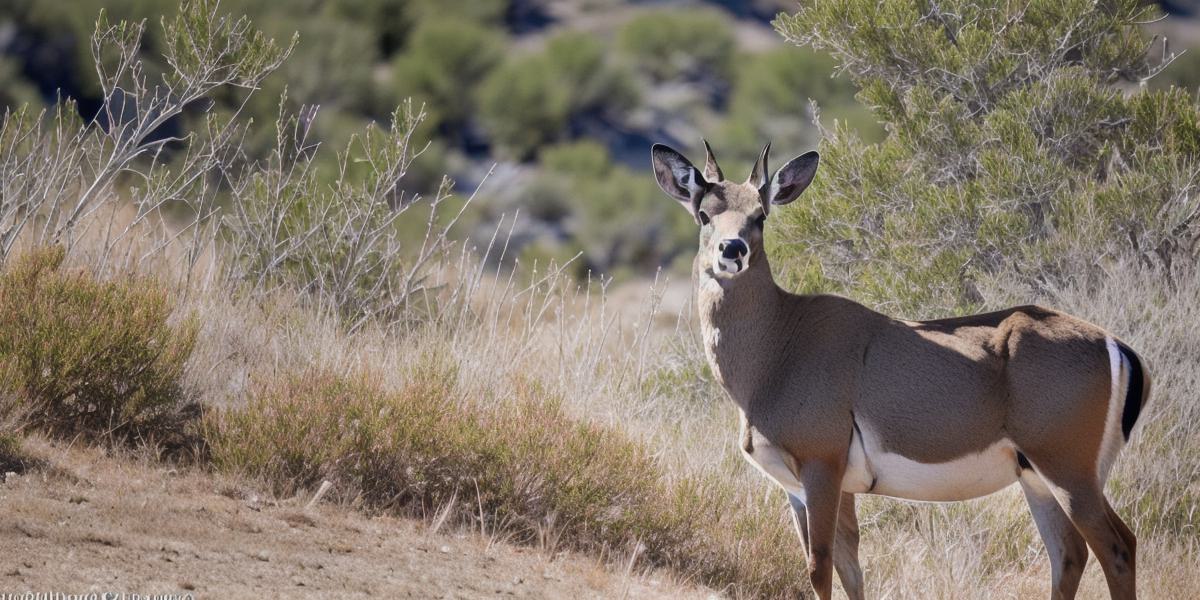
(704, 219)
(761, 221)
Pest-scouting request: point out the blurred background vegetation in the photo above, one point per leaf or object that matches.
(565, 97)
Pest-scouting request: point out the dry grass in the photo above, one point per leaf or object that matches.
(545, 415)
(490, 392)
(551, 353)
(506, 459)
(534, 410)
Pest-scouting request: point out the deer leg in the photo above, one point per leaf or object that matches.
(845, 549)
(1126, 532)
(822, 486)
(1106, 534)
(800, 519)
(1067, 549)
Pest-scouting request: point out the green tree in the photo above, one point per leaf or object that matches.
(617, 218)
(674, 45)
(15, 91)
(771, 102)
(1011, 152)
(536, 99)
(445, 62)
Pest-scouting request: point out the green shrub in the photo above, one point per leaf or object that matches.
(444, 64)
(519, 460)
(87, 357)
(552, 95)
(615, 217)
(694, 45)
(488, 12)
(771, 102)
(596, 85)
(15, 90)
(523, 105)
(1005, 153)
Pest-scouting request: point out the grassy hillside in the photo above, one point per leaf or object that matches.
(243, 301)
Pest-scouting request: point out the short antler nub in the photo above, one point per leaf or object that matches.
(712, 171)
(759, 176)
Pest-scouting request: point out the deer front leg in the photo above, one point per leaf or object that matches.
(845, 548)
(822, 486)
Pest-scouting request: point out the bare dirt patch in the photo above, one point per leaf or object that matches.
(96, 523)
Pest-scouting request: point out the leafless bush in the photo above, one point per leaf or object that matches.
(57, 170)
(344, 243)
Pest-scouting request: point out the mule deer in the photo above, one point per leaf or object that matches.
(838, 400)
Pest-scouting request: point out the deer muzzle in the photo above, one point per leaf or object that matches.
(732, 256)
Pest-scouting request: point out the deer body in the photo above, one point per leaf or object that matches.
(837, 399)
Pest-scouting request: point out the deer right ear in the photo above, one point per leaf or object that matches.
(677, 177)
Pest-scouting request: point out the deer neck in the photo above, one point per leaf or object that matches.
(739, 322)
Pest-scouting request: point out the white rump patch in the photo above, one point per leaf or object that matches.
(1114, 439)
(871, 469)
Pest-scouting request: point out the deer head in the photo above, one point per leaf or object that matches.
(731, 216)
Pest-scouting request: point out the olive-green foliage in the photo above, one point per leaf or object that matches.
(617, 217)
(771, 102)
(535, 99)
(445, 62)
(520, 462)
(1008, 148)
(523, 105)
(390, 22)
(85, 357)
(596, 85)
(15, 90)
(488, 12)
(693, 45)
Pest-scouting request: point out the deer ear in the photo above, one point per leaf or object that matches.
(792, 179)
(677, 177)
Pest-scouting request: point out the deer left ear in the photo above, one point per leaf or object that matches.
(792, 179)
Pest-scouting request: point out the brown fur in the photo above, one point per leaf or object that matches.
(804, 369)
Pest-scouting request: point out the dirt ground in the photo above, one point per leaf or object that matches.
(86, 523)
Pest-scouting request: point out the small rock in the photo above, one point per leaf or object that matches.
(262, 555)
(444, 549)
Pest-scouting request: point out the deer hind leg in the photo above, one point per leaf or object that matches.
(1067, 549)
(845, 549)
(1106, 534)
(845, 546)
(800, 519)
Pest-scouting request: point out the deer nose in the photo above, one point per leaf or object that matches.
(732, 249)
